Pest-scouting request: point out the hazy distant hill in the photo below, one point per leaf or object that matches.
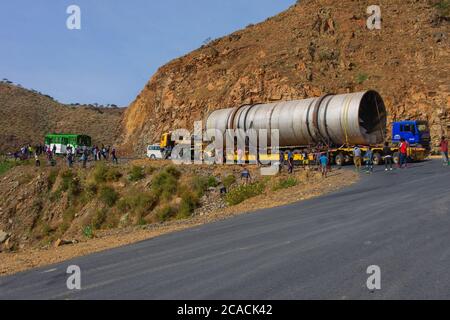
(26, 116)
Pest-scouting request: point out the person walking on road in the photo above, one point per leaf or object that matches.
(369, 160)
(114, 156)
(444, 151)
(357, 156)
(245, 175)
(36, 159)
(403, 154)
(388, 157)
(84, 157)
(290, 162)
(324, 164)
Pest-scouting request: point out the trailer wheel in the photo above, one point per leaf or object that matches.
(339, 160)
(396, 158)
(377, 159)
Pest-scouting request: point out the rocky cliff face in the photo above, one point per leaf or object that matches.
(314, 47)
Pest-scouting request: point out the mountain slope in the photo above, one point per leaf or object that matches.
(313, 48)
(26, 116)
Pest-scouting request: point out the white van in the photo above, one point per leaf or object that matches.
(154, 152)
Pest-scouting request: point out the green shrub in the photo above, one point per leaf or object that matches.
(113, 174)
(75, 187)
(285, 184)
(6, 165)
(189, 202)
(99, 218)
(108, 195)
(229, 181)
(212, 182)
(67, 177)
(443, 8)
(88, 232)
(92, 188)
(165, 183)
(150, 170)
(141, 203)
(199, 184)
(361, 78)
(165, 213)
(100, 173)
(244, 192)
(136, 173)
(174, 172)
(51, 179)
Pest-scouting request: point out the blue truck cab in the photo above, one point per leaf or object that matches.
(416, 133)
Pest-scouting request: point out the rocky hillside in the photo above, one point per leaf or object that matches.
(315, 47)
(26, 116)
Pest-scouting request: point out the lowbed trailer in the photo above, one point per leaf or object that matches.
(338, 156)
(320, 125)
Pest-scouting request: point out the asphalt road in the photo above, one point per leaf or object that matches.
(317, 249)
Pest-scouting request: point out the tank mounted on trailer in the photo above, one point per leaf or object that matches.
(346, 119)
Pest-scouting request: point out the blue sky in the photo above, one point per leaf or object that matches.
(121, 43)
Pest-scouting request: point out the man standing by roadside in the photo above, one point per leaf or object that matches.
(114, 156)
(403, 153)
(444, 150)
(324, 165)
(369, 160)
(387, 153)
(357, 158)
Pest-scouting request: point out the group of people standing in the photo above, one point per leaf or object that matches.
(387, 155)
(71, 155)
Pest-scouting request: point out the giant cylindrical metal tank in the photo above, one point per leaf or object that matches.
(355, 118)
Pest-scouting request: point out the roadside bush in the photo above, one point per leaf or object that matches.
(189, 202)
(141, 203)
(109, 196)
(244, 192)
(66, 177)
(199, 184)
(165, 213)
(285, 184)
(102, 173)
(51, 179)
(136, 173)
(88, 232)
(212, 182)
(443, 8)
(6, 165)
(113, 174)
(229, 181)
(165, 183)
(99, 218)
(361, 78)
(173, 171)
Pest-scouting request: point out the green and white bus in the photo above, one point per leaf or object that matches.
(62, 141)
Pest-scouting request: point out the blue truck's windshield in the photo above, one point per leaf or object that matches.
(422, 127)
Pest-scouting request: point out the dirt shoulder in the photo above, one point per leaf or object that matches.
(310, 185)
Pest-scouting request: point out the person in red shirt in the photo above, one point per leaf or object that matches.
(403, 153)
(444, 150)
